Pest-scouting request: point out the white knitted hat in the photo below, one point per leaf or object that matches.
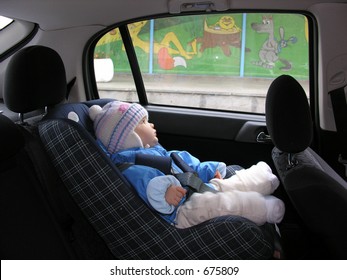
(114, 125)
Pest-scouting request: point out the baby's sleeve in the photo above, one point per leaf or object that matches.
(156, 190)
(222, 168)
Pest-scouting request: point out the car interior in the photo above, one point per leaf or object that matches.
(231, 81)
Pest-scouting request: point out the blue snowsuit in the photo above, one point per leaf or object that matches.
(151, 184)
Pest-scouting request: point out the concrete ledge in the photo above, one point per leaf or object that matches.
(214, 92)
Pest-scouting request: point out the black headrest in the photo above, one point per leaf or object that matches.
(11, 138)
(288, 117)
(35, 78)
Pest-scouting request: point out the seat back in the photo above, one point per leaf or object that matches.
(35, 79)
(40, 220)
(317, 192)
(28, 229)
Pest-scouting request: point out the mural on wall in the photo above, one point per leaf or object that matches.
(270, 51)
(166, 50)
(170, 39)
(245, 45)
(223, 34)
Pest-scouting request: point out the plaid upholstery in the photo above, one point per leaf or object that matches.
(128, 227)
(231, 170)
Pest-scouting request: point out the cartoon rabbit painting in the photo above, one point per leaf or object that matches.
(269, 52)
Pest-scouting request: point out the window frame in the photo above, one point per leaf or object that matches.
(24, 31)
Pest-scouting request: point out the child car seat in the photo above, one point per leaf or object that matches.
(127, 226)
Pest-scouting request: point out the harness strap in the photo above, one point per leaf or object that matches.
(159, 162)
(189, 178)
(193, 182)
(181, 163)
(123, 166)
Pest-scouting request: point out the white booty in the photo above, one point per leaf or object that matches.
(275, 209)
(258, 178)
(269, 175)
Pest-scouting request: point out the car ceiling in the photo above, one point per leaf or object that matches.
(55, 15)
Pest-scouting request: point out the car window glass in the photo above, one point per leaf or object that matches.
(13, 33)
(4, 21)
(112, 70)
(218, 61)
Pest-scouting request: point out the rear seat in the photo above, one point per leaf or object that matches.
(124, 224)
(28, 229)
(34, 177)
(40, 221)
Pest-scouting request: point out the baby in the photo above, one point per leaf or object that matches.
(123, 131)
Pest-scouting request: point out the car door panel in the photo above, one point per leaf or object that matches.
(212, 135)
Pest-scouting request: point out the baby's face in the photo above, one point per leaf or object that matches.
(145, 130)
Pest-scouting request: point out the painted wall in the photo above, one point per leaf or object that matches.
(246, 45)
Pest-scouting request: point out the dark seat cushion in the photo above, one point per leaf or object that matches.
(11, 139)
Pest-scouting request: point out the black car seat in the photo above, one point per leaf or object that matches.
(39, 219)
(317, 192)
(126, 225)
(28, 229)
(35, 174)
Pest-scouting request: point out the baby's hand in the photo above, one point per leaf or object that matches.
(217, 175)
(174, 194)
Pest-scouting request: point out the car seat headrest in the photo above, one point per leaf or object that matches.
(288, 117)
(11, 140)
(78, 112)
(35, 78)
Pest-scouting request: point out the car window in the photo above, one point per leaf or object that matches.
(112, 69)
(218, 61)
(13, 35)
(4, 22)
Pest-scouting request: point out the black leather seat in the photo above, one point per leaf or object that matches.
(36, 182)
(28, 229)
(317, 192)
(126, 225)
